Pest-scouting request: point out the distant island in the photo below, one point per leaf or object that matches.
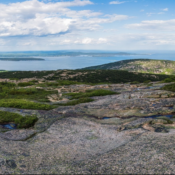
(64, 53)
(22, 59)
(93, 54)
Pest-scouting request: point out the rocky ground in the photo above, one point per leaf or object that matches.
(113, 134)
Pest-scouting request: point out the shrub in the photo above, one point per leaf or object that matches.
(23, 104)
(91, 93)
(75, 102)
(22, 122)
(22, 91)
(147, 81)
(23, 84)
(170, 79)
(135, 82)
(39, 95)
(7, 84)
(170, 87)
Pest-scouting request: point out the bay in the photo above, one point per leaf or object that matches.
(76, 62)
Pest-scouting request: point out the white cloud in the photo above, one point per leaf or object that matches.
(165, 10)
(144, 41)
(125, 41)
(116, 2)
(38, 18)
(78, 40)
(159, 13)
(102, 40)
(87, 41)
(158, 25)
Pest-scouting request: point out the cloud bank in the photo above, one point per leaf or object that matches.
(158, 25)
(37, 18)
(116, 2)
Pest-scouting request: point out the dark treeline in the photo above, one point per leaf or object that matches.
(110, 76)
(89, 76)
(24, 74)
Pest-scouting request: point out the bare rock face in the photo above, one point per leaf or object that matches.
(135, 124)
(125, 133)
(16, 135)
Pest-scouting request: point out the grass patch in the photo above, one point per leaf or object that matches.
(23, 104)
(169, 79)
(170, 87)
(147, 82)
(75, 102)
(59, 83)
(91, 93)
(7, 84)
(67, 82)
(135, 82)
(39, 95)
(23, 84)
(20, 121)
(22, 91)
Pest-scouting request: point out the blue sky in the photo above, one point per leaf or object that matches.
(87, 24)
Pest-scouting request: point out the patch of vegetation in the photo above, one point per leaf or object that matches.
(75, 102)
(7, 84)
(113, 76)
(169, 87)
(58, 83)
(13, 78)
(147, 82)
(90, 93)
(67, 82)
(80, 76)
(23, 104)
(20, 121)
(139, 65)
(39, 95)
(170, 79)
(150, 84)
(23, 84)
(135, 82)
(166, 119)
(25, 74)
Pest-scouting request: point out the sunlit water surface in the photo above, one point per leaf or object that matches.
(66, 62)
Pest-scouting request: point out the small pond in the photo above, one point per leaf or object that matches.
(106, 118)
(8, 126)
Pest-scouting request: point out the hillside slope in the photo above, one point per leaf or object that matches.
(140, 65)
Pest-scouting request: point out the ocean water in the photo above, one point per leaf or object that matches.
(76, 62)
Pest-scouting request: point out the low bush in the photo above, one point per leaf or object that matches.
(75, 102)
(23, 84)
(67, 82)
(147, 81)
(23, 104)
(59, 83)
(135, 82)
(7, 84)
(20, 121)
(169, 87)
(39, 95)
(169, 79)
(91, 93)
(22, 91)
